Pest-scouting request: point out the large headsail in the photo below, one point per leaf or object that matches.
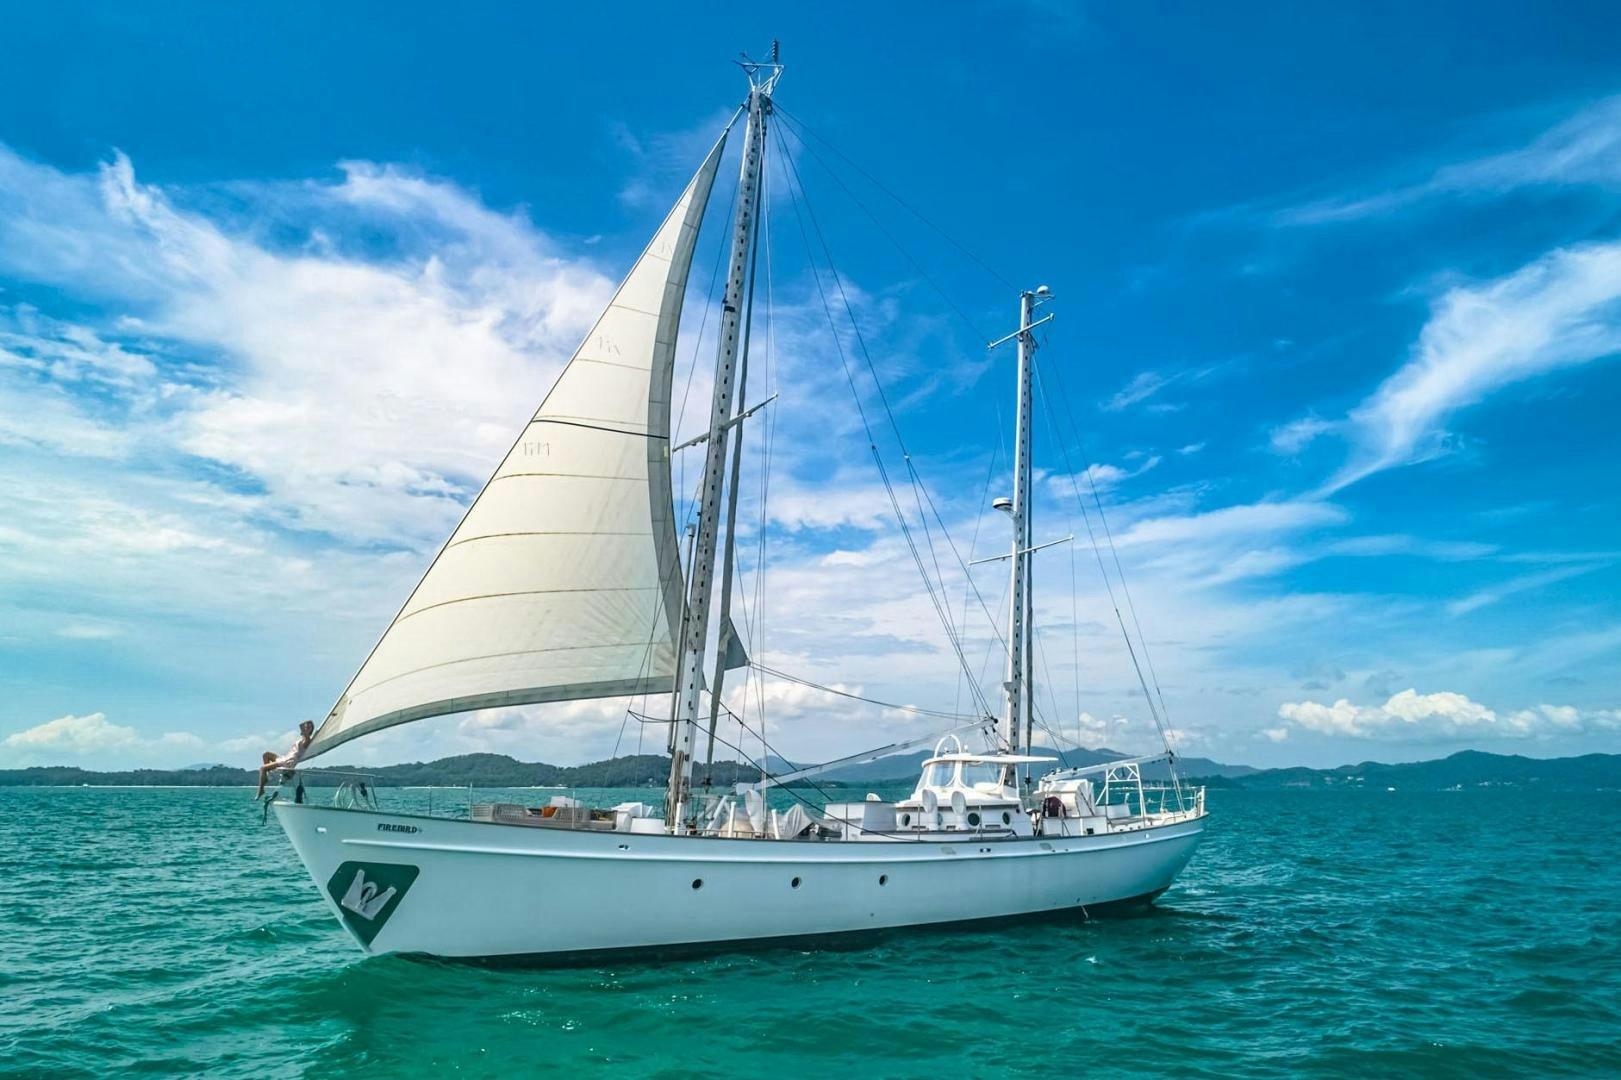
(563, 581)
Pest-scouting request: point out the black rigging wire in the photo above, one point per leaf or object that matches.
(1097, 550)
(879, 225)
(1131, 607)
(918, 710)
(802, 129)
(908, 207)
(919, 487)
(883, 473)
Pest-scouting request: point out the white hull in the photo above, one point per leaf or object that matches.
(472, 889)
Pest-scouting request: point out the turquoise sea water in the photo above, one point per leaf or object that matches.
(1448, 934)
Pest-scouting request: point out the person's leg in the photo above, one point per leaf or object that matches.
(268, 762)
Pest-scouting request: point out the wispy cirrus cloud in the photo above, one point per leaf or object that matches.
(1562, 310)
(1494, 594)
(1144, 385)
(1583, 149)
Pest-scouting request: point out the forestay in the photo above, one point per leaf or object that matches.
(563, 581)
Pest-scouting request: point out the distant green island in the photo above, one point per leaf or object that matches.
(1465, 769)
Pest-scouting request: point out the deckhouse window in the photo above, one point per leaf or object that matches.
(940, 773)
(980, 772)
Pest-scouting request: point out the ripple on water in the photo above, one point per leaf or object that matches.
(1315, 933)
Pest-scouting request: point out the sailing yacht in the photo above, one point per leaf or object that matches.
(566, 581)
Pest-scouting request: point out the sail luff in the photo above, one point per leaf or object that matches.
(700, 586)
(558, 583)
(729, 652)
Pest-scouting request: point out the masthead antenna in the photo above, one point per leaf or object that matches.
(763, 74)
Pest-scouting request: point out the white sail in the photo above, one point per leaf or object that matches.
(564, 579)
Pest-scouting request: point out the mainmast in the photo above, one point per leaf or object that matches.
(695, 631)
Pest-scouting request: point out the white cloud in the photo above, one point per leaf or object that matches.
(1232, 522)
(1583, 149)
(94, 734)
(180, 740)
(1560, 311)
(256, 743)
(1296, 435)
(1100, 477)
(88, 734)
(1142, 387)
(847, 499)
(1412, 716)
(662, 161)
(1526, 583)
(312, 373)
(88, 631)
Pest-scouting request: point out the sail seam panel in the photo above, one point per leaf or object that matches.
(528, 696)
(654, 279)
(522, 592)
(638, 643)
(548, 532)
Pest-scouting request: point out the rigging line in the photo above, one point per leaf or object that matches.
(1041, 651)
(981, 263)
(907, 255)
(990, 646)
(734, 481)
(838, 341)
(844, 363)
(698, 341)
(928, 534)
(754, 616)
(973, 542)
(1075, 637)
(599, 427)
(919, 710)
(849, 310)
(1125, 588)
(1097, 551)
(827, 796)
(996, 628)
(939, 607)
(659, 617)
(769, 443)
(872, 369)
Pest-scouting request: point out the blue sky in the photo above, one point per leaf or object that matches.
(1339, 299)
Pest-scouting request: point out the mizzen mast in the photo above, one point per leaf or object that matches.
(1018, 712)
(695, 631)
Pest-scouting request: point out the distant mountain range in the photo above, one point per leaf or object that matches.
(1466, 769)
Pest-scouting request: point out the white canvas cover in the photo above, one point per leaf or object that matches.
(564, 579)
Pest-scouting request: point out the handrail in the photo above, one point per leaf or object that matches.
(345, 774)
(1106, 766)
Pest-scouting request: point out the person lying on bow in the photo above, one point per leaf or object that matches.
(306, 732)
